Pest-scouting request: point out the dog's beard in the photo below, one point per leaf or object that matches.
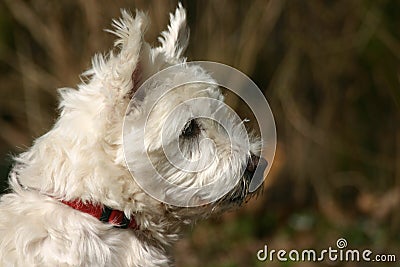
(239, 195)
(234, 199)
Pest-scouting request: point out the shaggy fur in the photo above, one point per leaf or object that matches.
(82, 157)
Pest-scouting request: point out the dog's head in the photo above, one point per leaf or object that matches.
(147, 132)
(182, 143)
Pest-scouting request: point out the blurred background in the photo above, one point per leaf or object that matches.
(329, 69)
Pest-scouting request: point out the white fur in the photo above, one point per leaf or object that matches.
(82, 157)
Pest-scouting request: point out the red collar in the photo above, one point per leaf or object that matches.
(105, 214)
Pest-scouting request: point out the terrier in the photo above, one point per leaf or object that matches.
(83, 194)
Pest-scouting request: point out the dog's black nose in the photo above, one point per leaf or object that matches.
(255, 171)
(255, 161)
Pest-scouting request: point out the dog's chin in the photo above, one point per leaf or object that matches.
(234, 199)
(239, 195)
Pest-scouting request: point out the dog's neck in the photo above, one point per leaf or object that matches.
(105, 214)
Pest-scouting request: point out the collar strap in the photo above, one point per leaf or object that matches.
(105, 214)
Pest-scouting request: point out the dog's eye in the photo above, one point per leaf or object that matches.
(191, 129)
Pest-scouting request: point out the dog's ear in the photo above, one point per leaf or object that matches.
(134, 60)
(175, 39)
(119, 71)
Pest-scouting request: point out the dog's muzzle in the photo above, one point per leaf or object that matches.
(254, 173)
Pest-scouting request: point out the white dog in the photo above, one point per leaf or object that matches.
(73, 201)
